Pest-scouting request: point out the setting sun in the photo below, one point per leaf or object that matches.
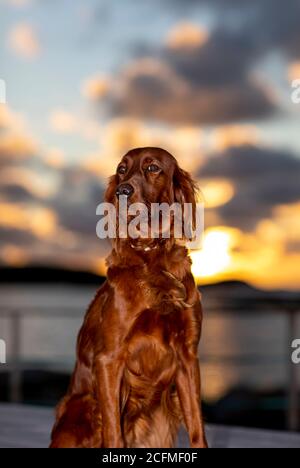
(215, 256)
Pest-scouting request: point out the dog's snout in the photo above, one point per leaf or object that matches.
(124, 189)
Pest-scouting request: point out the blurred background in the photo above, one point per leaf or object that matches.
(208, 80)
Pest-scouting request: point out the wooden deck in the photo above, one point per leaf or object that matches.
(25, 426)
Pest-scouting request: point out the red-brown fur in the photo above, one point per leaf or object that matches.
(137, 372)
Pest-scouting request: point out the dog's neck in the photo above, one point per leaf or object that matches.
(159, 256)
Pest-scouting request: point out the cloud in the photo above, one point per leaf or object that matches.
(265, 23)
(62, 121)
(11, 120)
(12, 255)
(54, 157)
(20, 184)
(208, 77)
(192, 84)
(186, 35)
(294, 71)
(47, 209)
(75, 203)
(59, 229)
(38, 220)
(17, 192)
(263, 179)
(16, 148)
(275, 26)
(17, 237)
(216, 192)
(95, 87)
(67, 123)
(23, 40)
(228, 136)
(206, 66)
(120, 135)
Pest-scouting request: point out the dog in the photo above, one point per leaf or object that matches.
(137, 375)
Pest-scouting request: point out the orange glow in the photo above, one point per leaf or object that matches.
(187, 35)
(10, 119)
(234, 135)
(40, 221)
(99, 266)
(55, 157)
(94, 88)
(14, 256)
(23, 41)
(17, 146)
(294, 71)
(62, 121)
(185, 143)
(216, 192)
(259, 258)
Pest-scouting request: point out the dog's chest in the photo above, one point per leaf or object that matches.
(151, 346)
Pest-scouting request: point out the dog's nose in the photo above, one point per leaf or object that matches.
(124, 189)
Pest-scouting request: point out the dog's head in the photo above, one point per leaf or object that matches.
(152, 176)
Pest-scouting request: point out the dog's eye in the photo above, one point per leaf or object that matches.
(153, 168)
(121, 169)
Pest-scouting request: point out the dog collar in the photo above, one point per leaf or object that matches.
(145, 249)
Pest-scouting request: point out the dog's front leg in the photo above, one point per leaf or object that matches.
(188, 387)
(109, 371)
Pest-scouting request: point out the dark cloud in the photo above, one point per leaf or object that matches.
(195, 106)
(74, 205)
(267, 24)
(17, 193)
(19, 237)
(197, 85)
(223, 60)
(15, 150)
(263, 178)
(212, 84)
(76, 200)
(272, 24)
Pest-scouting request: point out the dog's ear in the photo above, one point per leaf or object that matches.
(185, 192)
(109, 196)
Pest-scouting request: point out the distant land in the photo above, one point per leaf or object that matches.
(45, 275)
(52, 275)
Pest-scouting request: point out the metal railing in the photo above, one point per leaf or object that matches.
(247, 306)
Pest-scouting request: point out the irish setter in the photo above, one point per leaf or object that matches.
(137, 373)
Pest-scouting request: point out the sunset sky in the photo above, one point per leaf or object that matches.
(208, 80)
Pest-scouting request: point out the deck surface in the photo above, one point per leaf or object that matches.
(29, 427)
